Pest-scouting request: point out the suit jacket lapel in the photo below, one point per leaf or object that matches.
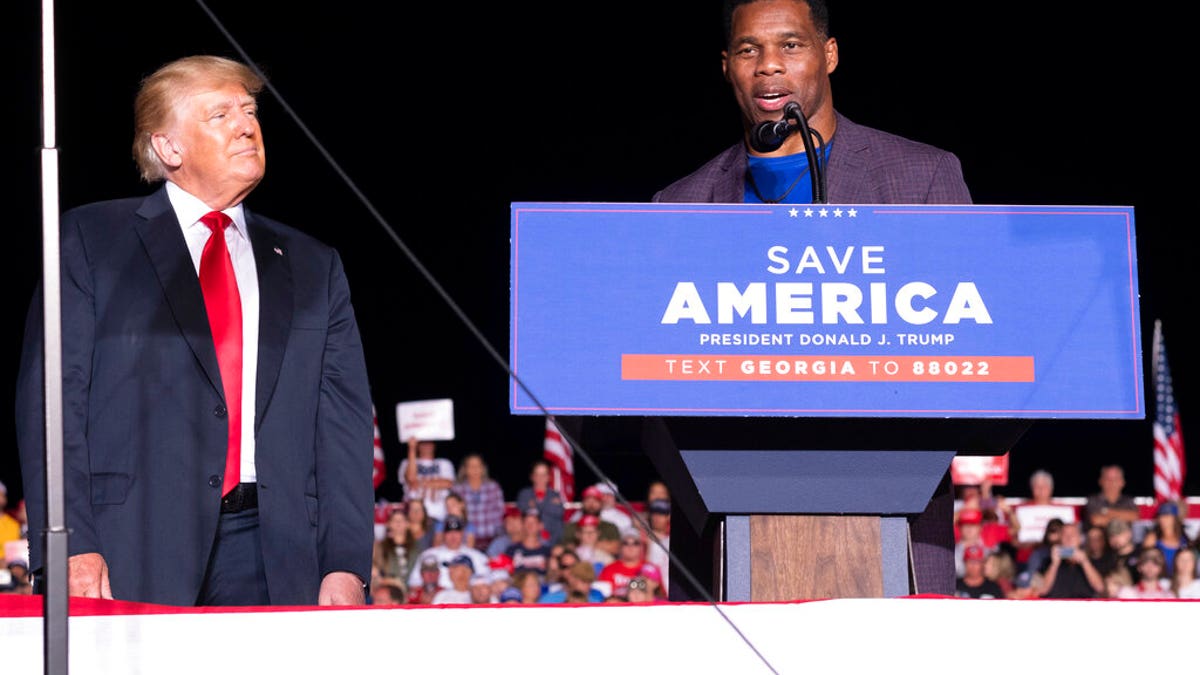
(163, 240)
(846, 174)
(274, 309)
(731, 187)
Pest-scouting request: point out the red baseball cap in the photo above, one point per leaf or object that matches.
(970, 517)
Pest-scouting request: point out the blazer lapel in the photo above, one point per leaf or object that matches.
(274, 309)
(163, 240)
(730, 188)
(846, 177)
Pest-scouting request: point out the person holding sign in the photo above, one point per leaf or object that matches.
(427, 477)
(424, 475)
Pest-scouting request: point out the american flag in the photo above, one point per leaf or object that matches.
(562, 468)
(1169, 464)
(379, 466)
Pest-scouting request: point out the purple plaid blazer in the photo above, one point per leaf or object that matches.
(866, 166)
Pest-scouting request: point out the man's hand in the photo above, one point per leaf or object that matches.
(341, 588)
(87, 576)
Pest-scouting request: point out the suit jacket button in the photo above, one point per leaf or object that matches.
(214, 481)
(219, 411)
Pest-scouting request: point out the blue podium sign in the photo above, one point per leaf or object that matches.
(825, 311)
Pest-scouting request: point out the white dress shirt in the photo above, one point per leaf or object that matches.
(189, 209)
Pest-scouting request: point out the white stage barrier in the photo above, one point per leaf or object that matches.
(826, 636)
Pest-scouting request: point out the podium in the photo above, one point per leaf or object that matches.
(775, 509)
(802, 378)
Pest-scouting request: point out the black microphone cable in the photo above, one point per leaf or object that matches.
(769, 136)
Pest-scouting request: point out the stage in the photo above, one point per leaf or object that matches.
(842, 636)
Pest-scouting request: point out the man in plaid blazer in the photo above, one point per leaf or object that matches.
(779, 52)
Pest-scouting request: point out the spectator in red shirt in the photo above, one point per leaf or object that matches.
(630, 558)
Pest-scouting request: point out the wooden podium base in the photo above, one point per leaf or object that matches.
(810, 557)
(772, 558)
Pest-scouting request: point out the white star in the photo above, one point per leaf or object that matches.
(824, 212)
(853, 212)
(793, 213)
(837, 213)
(808, 213)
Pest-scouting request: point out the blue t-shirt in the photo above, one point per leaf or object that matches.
(783, 180)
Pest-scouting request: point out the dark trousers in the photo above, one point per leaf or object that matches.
(236, 574)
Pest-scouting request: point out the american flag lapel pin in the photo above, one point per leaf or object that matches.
(278, 251)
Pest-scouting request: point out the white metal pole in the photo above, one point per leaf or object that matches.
(55, 605)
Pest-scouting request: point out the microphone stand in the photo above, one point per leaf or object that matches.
(816, 168)
(769, 137)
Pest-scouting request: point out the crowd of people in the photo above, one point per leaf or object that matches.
(455, 539)
(1044, 547)
(14, 574)
(540, 548)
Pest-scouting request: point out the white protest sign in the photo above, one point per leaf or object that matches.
(428, 420)
(1034, 517)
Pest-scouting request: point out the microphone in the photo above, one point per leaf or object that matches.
(769, 136)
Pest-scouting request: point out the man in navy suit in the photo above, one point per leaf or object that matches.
(780, 52)
(153, 408)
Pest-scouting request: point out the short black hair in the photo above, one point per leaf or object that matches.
(818, 9)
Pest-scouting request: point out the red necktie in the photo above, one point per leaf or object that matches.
(224, 307)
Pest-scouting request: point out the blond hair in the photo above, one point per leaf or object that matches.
(161, 92)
